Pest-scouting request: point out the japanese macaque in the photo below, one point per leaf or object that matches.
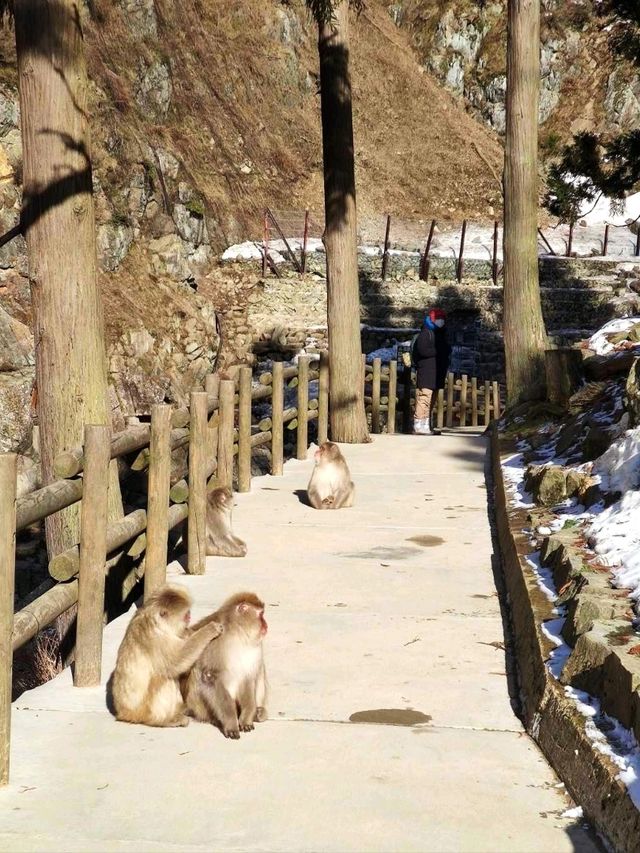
(220, 539)
(330, 486)
(227, 686)
(158, 647)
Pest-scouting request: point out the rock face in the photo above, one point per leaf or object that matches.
(463, 44)
(632, 400)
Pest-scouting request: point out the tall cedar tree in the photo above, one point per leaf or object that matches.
(59, 227)
(524, 332)
(346, 386)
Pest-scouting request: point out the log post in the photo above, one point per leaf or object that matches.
(385, 253)
(605, 245)
(450, 384)
(463, 399)
(393, 391)
(212, 387)
(570, 240)
(637, 251)
(496, 400)
(225, 433)
(265, 243)
(440, 409)
(323, 399)
(487, 403)
(277, 424)
(303, 407)
(474, 401)
(406, 400)
(564, 373)
(375, 396)
(155, 561)
(197, 533)
(244, 430)
(93, 556)
(8, 479)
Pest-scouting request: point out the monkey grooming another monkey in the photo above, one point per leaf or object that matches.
(156, 650)
(220, 539)
(330, 486)
(227, 686)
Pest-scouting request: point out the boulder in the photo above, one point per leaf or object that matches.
(546, 483)
(596, 441)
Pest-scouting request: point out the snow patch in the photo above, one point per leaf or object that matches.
(598, 341)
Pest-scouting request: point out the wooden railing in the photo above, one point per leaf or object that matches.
(221, 430)
(464, 401)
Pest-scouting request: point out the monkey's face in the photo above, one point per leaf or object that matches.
(325, 452)
(252, 619)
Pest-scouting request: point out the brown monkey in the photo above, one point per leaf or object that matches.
(220, 539)
(156, 650)
(227, 686)
(330, 486)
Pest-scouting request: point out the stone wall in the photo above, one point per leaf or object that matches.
(578, 296)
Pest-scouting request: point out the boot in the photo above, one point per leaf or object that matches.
(421, 426)
(432, 427)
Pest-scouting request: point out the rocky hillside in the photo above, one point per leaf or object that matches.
(584, 84)
(201, 113)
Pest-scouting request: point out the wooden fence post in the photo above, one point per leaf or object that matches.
(212, 387)
(244, 430)
(570, 241)
(93, 556)
(460, 266)
(426, 262)
(406, 400)
(303, 407)
(159, 484)
(494, 262)
(277, 426)
(8, 479)
(305, 238)
(450, 384)
(440, 409)
(463, 399)
(197, 532)
(474, 401)
(385, 254)
(638, 242)
(496, 400)
(487, 403)
(375, 395)
(323, 399)
(605, 246)
(393, 392)
(265, 243)
(225, 433)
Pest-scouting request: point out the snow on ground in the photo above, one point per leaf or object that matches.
(601, 211)
(599, 341)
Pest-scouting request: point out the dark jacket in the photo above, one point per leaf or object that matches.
(432, 358)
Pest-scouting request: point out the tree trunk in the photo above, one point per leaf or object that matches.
(59, 227)
(524, 332)
(346, 385)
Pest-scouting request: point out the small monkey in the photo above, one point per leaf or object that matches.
(227, 686)
(330, 486)
(156, 650)
(220, 539)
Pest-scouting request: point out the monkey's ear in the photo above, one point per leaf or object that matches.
(164, 613)
(243, 607)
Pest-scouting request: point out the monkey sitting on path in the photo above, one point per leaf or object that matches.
(330, 486)
(220, 539)
(156, 650)
(227, 686)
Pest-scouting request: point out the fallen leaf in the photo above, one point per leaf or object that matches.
(634, 650)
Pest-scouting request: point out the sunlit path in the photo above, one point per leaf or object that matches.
(389, 605)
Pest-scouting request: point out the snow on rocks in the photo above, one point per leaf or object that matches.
(599, 342)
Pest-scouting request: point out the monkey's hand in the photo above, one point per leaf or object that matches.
(213, 629)
(328, 502)
(232, 734)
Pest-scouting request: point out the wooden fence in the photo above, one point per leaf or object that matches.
(220, 429)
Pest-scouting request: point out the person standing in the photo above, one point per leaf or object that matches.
(431, 352)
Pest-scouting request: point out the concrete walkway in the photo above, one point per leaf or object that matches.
(389, 605)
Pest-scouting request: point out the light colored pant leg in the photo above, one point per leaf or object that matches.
(423, 403)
